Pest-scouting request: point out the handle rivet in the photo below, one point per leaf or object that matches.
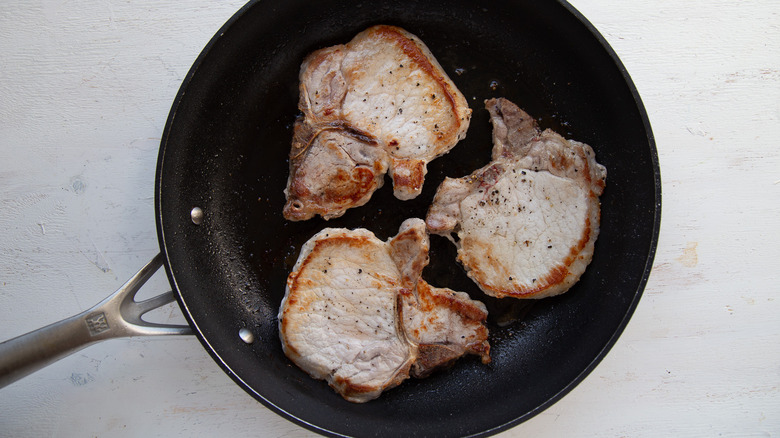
(246, 335)
(197, 215)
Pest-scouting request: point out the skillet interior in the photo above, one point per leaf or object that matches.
(225, 150)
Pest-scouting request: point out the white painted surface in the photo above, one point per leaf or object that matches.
(85, 87)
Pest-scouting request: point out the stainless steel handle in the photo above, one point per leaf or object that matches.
(119, 315)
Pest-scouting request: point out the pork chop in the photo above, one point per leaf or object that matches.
(380, 103)
(527, 222)
(357, 313)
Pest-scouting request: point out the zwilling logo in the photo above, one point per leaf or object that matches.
(97, 324)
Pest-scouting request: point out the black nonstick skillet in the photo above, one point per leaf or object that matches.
(227, 249)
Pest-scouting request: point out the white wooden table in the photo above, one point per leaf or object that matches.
(85, 88)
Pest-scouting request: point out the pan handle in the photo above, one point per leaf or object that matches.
(119, 315)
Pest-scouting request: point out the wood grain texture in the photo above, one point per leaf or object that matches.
(86, 87)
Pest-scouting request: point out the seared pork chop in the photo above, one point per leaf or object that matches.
(376, 104)
(357, 313)
(527, 222)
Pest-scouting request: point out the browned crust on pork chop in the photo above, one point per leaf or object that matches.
(441, 311)
(419, 53)
(378, 104)
(357, 313)
(527, 222)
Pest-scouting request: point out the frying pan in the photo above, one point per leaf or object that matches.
(227, 249)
